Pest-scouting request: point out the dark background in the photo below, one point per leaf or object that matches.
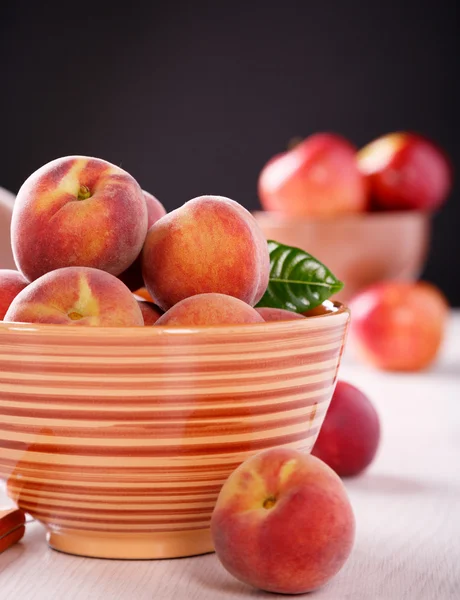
(194, 97)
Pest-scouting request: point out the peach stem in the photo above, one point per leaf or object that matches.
(83, 192)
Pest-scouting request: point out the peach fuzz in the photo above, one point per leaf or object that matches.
(11, 283)
(150, 312)
(283, 522)
(132, 276)
(277, 314)
(78, 211)
(210, 309)
(399, 326)
(317, 178)
(209, 245)
(76, 296)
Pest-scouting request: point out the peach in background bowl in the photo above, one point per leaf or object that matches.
(118, 440)
(360, 249)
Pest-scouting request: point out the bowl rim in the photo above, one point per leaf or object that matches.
(340, 310)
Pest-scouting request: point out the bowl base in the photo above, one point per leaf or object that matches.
(131, 546)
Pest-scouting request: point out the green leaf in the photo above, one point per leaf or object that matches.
(298, 281)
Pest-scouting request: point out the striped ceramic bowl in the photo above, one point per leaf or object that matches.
(118, 440)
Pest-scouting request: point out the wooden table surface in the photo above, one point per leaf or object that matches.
(407, 508)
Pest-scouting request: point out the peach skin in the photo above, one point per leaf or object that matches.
(317, 178)
(76, 296)
(209, 245)
(283, 522)
(210, 309)
(11, 283)
(78, 211)
(132, 277)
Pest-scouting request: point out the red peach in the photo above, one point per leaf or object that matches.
(150, 312)
(283, 522)
(209, 245)
(406, 171)
(210, 309)
(317, 178)
(132, 276)
(399, 325)
(350, 434)
(11, 283)
(277, 314)
(76, 296)
(78, 211)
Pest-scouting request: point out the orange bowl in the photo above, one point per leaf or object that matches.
(359, 249)
(119, 440)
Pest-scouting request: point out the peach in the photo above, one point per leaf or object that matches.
(78, 211)
(406, 171)
(277, 314)
(132, 276)
(210, 309)
(283, 522)
(399, 325)
(350, 434)
(317, 178)
(11, 283)
(150, 312)
(76, 296)
(210, 244)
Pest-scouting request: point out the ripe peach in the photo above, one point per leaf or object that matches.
(132, 276)
(210, 244)
(350, 434)
(317, 178)
(210, 309)
(277, 314)
(150, 312)
(76, 296)
(11, 283)
(399, 325)
(78, 211)
(283, 522)
(406, 171)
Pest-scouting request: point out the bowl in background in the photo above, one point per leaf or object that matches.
(359, 249)
(6, 212)
(118, 440)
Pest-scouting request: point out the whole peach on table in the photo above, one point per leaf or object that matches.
(210, 244)
(210, 309)
(399, 325)
(11, 283)
(78, 211)
(76, 296)
(132, 276)
(350, 434)
(317, 178)
(283, 522)
(406, 171)
(277, 314)
(150, 312)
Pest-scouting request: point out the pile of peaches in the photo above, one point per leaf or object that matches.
(85, 236)
(325, 176)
